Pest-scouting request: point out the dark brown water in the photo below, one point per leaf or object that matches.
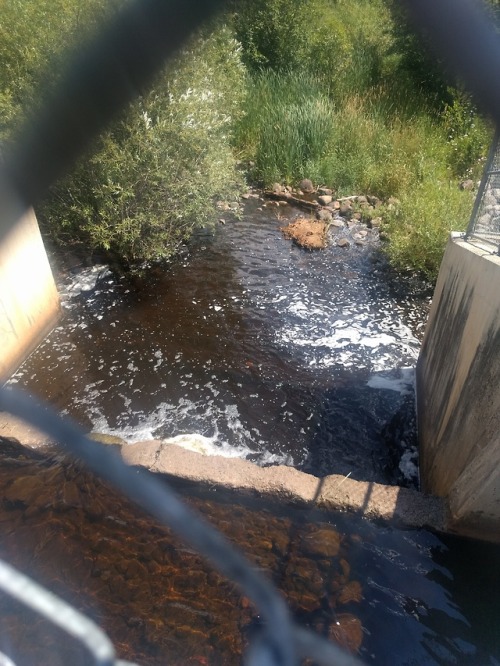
(263, 349)
(396, 597)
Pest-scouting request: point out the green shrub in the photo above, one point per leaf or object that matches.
(419, 227)
(469, 136)
(156, 172)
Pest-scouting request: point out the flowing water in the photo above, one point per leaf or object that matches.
(396, 597)
(265, 351)
(262, 349)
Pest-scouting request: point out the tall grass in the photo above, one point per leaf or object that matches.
(349, 114)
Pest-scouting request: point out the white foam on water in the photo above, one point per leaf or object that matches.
(403, 383)
(207, 446)
(84, 280)
(408, 465)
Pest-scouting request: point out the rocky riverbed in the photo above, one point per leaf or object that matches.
(159, 601)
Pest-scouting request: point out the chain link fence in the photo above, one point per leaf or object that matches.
(484, 225)
(97, 84)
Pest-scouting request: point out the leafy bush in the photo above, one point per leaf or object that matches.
(156, 172)
(419, 227)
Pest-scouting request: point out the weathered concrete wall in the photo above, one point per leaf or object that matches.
(29, 304)
(458, 389)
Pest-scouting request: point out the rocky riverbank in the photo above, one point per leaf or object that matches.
(344, 221)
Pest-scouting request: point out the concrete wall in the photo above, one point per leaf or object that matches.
(29, 303)
(458, 390)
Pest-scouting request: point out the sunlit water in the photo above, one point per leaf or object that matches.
(266, 350)
(396, 597)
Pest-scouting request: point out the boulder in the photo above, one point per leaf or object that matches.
(306, 186)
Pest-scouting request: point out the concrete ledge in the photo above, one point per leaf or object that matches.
(458, 390)
(372, 500)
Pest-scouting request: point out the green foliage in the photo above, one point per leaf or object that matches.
(354, 102)
(155, 174)
(342, 43)
(34, 35)
(419, 227)
(287, 123)
(469, 136)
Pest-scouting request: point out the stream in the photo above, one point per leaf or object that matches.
(258, 348)
(246, 346)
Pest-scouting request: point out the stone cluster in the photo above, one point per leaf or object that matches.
(356, 214)
(159, 601)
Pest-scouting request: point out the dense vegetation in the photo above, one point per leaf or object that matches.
(342, 92)
(339, 91)
(154, 175)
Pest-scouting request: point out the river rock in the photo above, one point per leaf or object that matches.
(351, 592)
(325, 191)
(343, 242)
(306, 186)
(338, 222)
(325, 199)
(345, 208)
(324, 215)
(347, 631)
(323, 541)
(104, 438)
(277, 188)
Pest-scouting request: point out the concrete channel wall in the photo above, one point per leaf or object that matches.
(29, 303)
(458, 390)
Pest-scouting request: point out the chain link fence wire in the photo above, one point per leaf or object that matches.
(484, 224)
(280, 643)
(99, 81)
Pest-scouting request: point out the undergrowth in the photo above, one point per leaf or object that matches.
(351, 109)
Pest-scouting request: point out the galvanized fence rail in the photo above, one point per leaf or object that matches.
(99, 81)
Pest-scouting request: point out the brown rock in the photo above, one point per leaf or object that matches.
(350, 593)
(343, 242)
(323, 541)
(325, 200)
(347, 632)
(324, 215)
(306, 186)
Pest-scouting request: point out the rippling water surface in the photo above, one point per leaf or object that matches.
(264, 349)
(269, 352)
(396, 597)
